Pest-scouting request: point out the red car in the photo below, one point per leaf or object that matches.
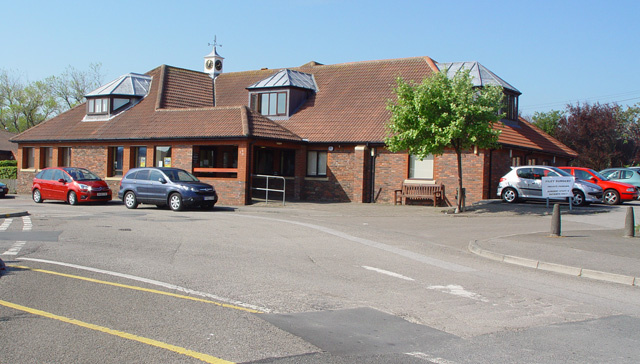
(614, 192)
(70, 184)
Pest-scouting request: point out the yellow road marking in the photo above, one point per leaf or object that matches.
(136, 288)
(200, 356)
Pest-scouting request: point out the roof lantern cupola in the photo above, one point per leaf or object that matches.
(213, 62)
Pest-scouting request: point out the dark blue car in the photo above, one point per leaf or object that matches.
(174, 187)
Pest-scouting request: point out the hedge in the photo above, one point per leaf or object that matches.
(8, 163)
(8, 172)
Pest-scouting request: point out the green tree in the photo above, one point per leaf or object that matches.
(548, 121)
(443, 112)
(24, 105)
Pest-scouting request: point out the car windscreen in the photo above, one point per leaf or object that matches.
(598, 175)
(560, 172)
(180, 176)
(80, 174)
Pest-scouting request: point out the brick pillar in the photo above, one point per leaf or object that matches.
(360, 176)
(244, 171)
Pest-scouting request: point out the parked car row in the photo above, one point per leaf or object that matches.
(525, 183)
(171, 187)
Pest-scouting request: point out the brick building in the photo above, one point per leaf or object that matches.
(320, 127)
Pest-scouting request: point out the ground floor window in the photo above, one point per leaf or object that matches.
(516, 161)
(64, 156)
(316, 163)
(28, 160)
(140, 156)
(422, 169)
(215, 161)
(46, 157)
(163, 156)
(115, 158)
(275, 162)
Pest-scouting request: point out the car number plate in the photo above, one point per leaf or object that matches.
(209, 198)
(102, 193)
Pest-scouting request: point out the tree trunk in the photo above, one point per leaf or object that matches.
(460, 190)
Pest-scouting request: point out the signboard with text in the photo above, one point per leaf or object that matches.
(557, 187)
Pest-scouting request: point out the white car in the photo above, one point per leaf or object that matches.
(525, 182)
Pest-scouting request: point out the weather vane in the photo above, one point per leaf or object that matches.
(215, 42)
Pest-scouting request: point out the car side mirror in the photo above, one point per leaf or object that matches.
(594, 180)
(61, 180)
(162, 180)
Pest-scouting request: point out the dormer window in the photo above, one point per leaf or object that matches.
(98, 106)
(510, 106)
(269, 103)
(116, 96)
(281, 94)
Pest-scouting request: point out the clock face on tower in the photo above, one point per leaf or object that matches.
(218, 65)
(209, 64)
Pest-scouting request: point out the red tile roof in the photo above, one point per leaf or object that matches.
(186, 118)
(5, 144)
(349, 107)
(523, 134)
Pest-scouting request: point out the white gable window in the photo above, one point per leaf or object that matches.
(422, 169)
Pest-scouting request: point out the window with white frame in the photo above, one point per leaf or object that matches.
(421, 169)
(316, 163)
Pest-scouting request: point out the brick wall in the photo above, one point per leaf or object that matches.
(391, 170)
(338, 185)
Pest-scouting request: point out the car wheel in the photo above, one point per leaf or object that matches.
(130, 200)
(509, 195)
(578, 198)
(37, 196)
(72, 198)
(611, 197)
(175, 202)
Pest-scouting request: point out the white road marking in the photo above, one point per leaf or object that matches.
(26, 223)
(153, 282)
(458, 291)
(392, 274)
(5, 224)
(374, 244)
(15, 248)
(433, 359)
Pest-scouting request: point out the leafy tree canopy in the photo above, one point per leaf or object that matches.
(594, 131)
(548, 121)
(443, 112)
(24, 105)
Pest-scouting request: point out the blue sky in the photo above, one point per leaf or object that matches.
(554, 52)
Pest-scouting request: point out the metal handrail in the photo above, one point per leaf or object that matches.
(267, 189)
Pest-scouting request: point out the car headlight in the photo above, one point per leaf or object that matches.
(84, 187)
(631, 189)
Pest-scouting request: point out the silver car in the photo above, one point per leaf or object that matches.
(525, 182)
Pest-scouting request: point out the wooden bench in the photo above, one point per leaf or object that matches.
(420, 191)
